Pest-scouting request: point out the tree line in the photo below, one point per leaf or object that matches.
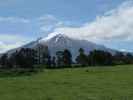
(27, 58)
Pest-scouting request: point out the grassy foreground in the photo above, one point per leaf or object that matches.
(96, 83)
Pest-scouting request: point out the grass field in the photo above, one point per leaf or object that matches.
(95, 83)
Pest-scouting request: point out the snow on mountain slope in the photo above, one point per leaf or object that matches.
(59, 42)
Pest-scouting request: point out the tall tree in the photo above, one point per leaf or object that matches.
(82, 59)
(53, 61)
(25, 58)
(99, 57)
(59, 58)
(49, 61)
(42, 53)
(67, 57)
(4, 60)
(128, 58)
(119, 58)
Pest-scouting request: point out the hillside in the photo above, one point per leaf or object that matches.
(96, 83)
(59, 42)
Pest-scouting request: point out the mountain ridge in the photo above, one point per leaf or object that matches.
(59, 42)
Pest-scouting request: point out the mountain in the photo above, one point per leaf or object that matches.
(60, 42)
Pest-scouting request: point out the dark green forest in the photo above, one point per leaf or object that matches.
(30, 59)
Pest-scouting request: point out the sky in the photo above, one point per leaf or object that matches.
(106, 22)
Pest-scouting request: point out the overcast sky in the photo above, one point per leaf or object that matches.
(107, 22)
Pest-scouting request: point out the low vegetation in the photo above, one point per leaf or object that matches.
(93, 83)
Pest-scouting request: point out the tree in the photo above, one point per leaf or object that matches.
(128, 58)
(119, 58)
(59, 58)
(25, 58)
(82, 59)
(49, 61)
(46, 58)
(4, 61)
(12, 60)
(42, 53)
(99, 57)
(67, 57)
(53, 61)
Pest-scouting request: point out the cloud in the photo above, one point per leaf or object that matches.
(14, 38)
(49, 22)
(14, 20)
(113, 29)
(16, 31)
(4, 47)
(114, 25)
(9, 32)
(8, 42)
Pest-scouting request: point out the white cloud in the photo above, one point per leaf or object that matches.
(10, 37)
(8, 42)
(5, 47)
(48, 23)
(115, 25)
(14, 20)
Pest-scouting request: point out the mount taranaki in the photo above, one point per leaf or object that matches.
(60, 42)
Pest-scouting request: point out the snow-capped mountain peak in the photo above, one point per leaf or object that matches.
(59, 42)
(55, 36)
